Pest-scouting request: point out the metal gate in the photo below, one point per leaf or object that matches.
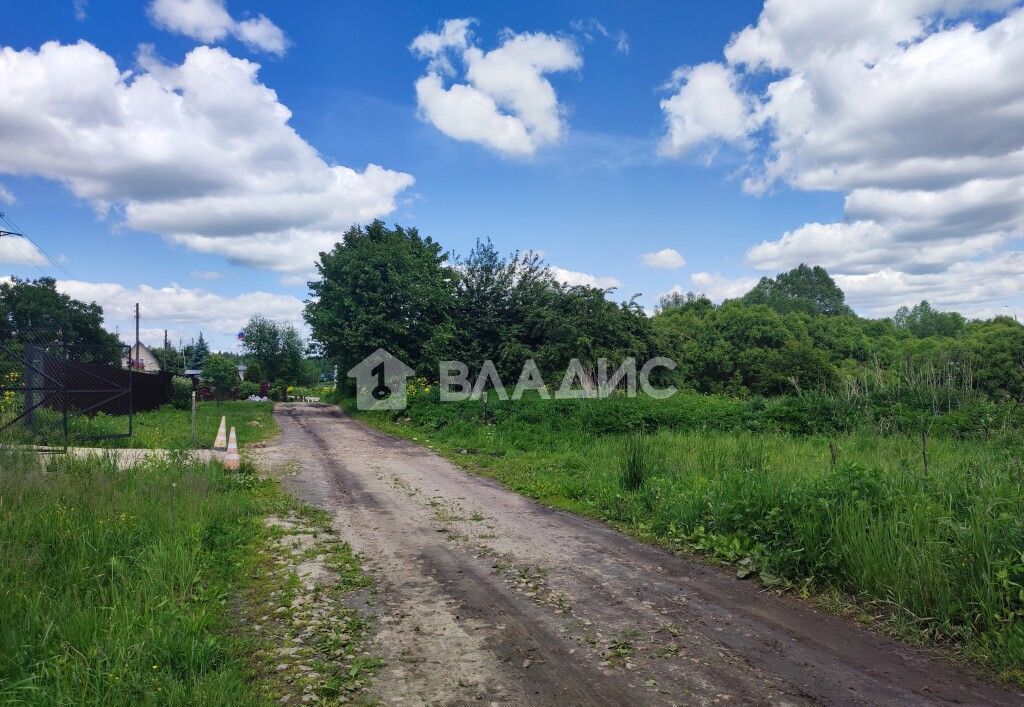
(49, 401)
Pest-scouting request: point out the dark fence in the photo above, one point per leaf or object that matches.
(148, 390)
(92, 388)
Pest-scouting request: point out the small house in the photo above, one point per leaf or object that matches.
(142, 359)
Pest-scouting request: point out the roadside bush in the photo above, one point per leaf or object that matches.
(181, 393)
(248, 389)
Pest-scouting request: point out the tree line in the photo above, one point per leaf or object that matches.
(390, 287)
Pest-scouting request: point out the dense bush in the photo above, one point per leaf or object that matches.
(247, 389)
(181, 393)
(807, 414)
(279, 391)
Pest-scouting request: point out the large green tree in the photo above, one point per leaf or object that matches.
(802, 289)
(924, 320)
(275, 348)
(34, 312)
(384, 288)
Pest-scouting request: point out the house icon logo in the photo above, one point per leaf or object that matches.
(380, 382)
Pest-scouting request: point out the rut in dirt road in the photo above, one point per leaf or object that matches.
(489, 597)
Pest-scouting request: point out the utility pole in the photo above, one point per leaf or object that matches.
(138, 349)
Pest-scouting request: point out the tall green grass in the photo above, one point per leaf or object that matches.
(164, 428)
(937, 554)
(114, 585)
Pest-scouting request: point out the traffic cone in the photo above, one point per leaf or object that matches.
(221, 445)
(231, 459)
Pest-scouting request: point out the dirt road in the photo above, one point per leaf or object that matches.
(486, 597)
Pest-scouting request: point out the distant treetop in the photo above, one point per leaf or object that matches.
(802, 289)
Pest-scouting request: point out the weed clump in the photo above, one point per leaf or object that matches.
(637, 462)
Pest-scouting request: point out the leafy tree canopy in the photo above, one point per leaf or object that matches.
(386, 288)
(802, 289)
(391, 288)
(34, 312)
(276, 349)
(924, 320)
(219, 373)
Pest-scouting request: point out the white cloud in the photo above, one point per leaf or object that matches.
(80, 7)
(574, 278)
(881, 101)
(209, 21)
(975, 288)
(506, 103)
(6, 196)
(262, 33)
(205, 275)
(592, 28)
(200, 153)
(183, 312)
(622, 43)
(667, 258)
(717, 287)
(707, 106)
(16, 250)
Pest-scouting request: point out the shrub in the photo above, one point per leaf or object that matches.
(181, 393)
(220, 374)
(248, 389)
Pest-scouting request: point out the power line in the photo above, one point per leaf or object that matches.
(19, 240)
(19, 233)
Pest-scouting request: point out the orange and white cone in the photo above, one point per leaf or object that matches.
(221, 444)
(231, 459)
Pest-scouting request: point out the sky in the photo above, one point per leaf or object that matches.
(195, 156)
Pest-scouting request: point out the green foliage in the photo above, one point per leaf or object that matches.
(197, 353)
(181, 393)
(791, 334)
(247, 389)
(996, 351)
(276, 349)
(383, 288)
(802, 289)
(34, 312)
(279, 391)
(923, 320)
(219, 373)
(170, 360)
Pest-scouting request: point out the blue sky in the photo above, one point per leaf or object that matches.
(631, 161)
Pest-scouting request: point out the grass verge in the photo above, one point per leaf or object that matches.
(933, 554)
(137, 587)
(169, 428)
